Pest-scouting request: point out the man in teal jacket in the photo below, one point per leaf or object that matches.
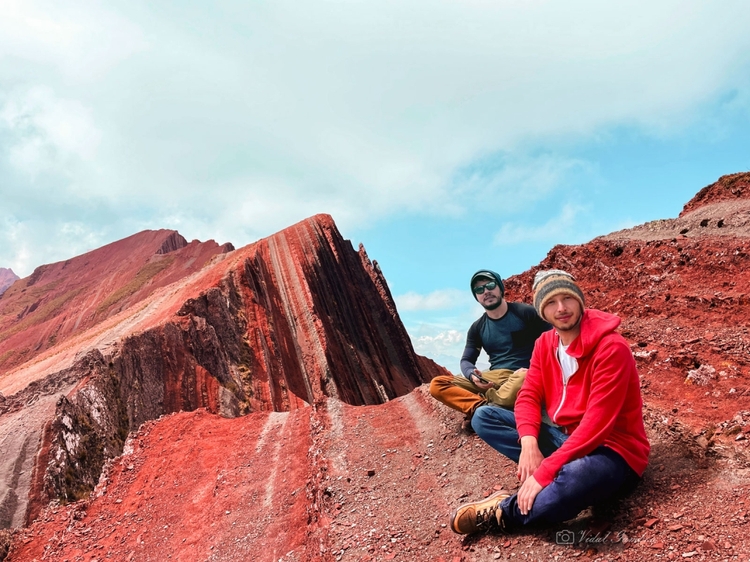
(506, 332)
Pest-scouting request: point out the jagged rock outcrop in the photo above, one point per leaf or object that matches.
(276, 326)
(174, 241)
(7, 278)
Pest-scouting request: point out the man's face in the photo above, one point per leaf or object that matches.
(488, 298)
(563, 312)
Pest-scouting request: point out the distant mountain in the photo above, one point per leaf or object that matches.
(7, 278)
(64, 298)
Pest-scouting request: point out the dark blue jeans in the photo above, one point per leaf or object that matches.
(580, 483)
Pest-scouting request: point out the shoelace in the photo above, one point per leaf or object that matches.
(487, 516)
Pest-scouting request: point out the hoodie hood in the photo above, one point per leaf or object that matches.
(486, 274)
(595, 324)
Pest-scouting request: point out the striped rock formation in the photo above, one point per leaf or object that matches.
(93, 347)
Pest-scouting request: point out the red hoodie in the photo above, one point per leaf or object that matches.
(600, 405)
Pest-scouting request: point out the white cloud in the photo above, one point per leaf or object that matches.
(436, 300)
(237, 121)
(65, 240)
(80, 39)
(518, 181)
(444, 347)
(556, 230)
(450, 340)
(47, 130)
(444, 339)
(15, 235)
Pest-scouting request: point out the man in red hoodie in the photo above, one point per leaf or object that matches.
(577, 430)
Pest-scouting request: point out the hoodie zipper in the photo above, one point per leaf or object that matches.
(562, 400)
(565, 382)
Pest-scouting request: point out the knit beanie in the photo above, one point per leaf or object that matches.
(486, 274)
(552, 282)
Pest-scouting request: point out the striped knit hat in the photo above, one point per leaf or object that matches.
(552, 282)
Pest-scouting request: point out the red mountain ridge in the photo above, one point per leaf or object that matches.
(264, 410)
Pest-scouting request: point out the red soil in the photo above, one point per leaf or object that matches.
(366, 483)
(193, 487)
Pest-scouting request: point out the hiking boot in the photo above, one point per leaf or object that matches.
(479, 516)
(466, 424)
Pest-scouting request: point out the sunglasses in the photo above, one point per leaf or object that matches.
(480, 289)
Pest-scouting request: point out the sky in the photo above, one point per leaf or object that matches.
(446, 136)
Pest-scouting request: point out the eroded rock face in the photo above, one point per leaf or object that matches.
(279, 325)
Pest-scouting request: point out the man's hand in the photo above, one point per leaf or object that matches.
(530, 459)
(479, 384)
(527, 494)
(475, 374)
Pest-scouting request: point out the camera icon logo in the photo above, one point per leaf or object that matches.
(565, 537)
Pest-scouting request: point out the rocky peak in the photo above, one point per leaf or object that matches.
(173, 242)
(732, 187)
(7, 278)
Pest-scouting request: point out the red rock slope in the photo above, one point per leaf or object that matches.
(731, 188)
(367, 483)
(61, 299)
(277, 325)
(682, 288)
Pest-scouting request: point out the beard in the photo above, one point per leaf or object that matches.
(492, 306)
(567, 327)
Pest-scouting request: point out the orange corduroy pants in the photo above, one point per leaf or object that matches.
(463, 395)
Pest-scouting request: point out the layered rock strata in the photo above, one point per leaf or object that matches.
(276, 326)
